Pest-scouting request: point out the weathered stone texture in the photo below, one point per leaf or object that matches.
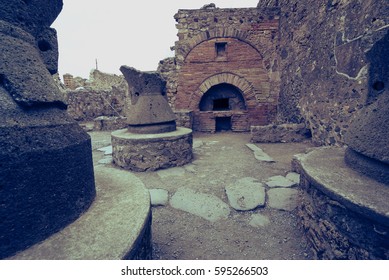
(249, 62)
(102, 95)
(344, 214)
(86, 105)
(168, 70)
(146, 152)
(109, 123)
(184, 118)
(46, 169)
(279, 133)
(147, 109)
(335, 232)
(324, 68)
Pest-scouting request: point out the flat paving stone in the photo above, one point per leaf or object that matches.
(105, 160)
(107, 150)
(206, 206)
(279, 182)
(246, 194)
(259, 154)
(282, 198)
(159, 197)
(294, 177)
(259, 220)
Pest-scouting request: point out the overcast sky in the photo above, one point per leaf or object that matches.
(121, 32)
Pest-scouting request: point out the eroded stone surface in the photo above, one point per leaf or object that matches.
(203, 205)
(107, 150)
(51, 182)
(282, 198)
(105, 160)
(147, 110)
(279, 181)
(159, 197)
(293, 176)
(246, 194)
(150, 152)
(259, 154)
(279, 133)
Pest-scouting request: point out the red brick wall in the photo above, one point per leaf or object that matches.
(250, 63)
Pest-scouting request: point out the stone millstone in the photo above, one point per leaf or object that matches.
(46, 167)
(367, 136)
(147, 110)
(367, 139)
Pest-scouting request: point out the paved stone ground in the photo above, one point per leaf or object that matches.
(229, 203)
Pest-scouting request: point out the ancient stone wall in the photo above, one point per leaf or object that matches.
(335, 232)
(324, 77)
(216, 46)
(102, 95)
(88, 104)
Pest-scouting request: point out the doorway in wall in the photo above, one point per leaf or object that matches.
(223, 124)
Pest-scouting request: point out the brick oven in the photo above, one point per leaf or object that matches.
(227, 67)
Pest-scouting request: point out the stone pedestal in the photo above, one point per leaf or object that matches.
(116, 226)
(149, 152)
(344, 213)
(46, 167)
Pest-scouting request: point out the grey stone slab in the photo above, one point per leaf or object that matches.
(206, 206)
(262, 156)
(159, 197)
(294, 177)
(108, 230)
(259, 154)
(246, 194)
(253, 147)
(282, 198)
(259, 220)
(328, 172)
(279, 182)
(105, 160)
(107, 150)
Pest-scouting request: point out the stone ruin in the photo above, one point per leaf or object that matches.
(46, 170)
(151, 140)
(344, 203)
(323, 72)
(53, 203)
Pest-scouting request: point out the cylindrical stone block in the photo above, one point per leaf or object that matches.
(150, 152)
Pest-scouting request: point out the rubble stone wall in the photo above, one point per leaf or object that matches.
(336, 232)
(101, 95)
(324, 70)
(86, 105)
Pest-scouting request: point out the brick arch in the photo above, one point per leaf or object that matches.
(242, 84)
(227, 32)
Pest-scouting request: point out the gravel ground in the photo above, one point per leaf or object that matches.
(219, 160)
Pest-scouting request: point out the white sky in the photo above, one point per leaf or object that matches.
(121, 32)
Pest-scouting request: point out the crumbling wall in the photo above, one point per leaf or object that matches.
(168, 70)
(102, 95)
(324, 70)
